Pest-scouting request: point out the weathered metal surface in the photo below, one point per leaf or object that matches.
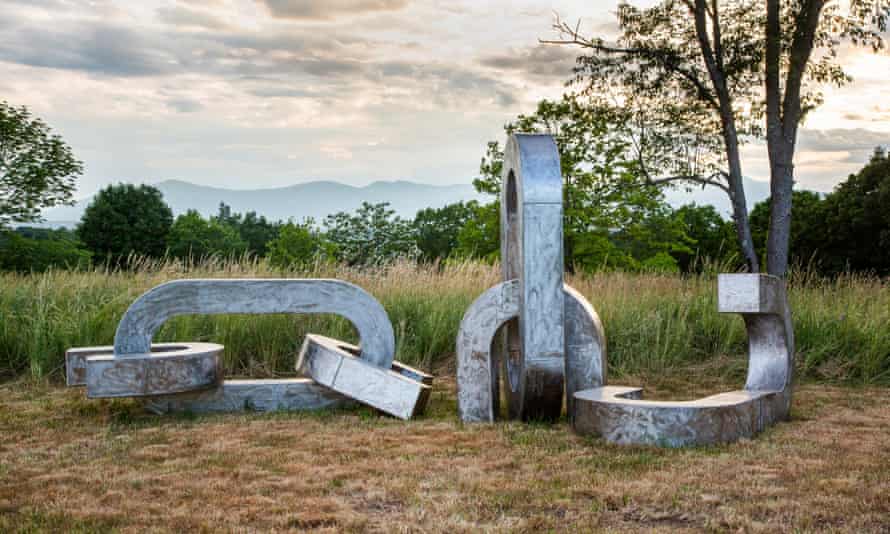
(188, 367)
(328, 363)
(130, 370)
(289, 394)
(76, 360)
(477, 354)
(258, 296)
(620, 416)
(531, 252)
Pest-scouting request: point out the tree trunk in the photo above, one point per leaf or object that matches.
(737, 197)
(779, 239)
(713, 58)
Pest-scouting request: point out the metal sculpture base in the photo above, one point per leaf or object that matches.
(479, 354)
(288, 394)
(620, 416)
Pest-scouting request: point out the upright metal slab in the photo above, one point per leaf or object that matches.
(531, 252)
(619, 415)
(477, 363)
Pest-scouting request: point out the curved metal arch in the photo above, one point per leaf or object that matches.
(619, 415)
(532, 220)
(478, 393)
(257, 296)
(134, 368)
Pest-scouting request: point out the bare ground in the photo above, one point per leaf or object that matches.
(69, 464)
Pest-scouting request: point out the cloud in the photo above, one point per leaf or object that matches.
(97, 48)
(540, 61)
(838, 139)
(189, 18)
(185, 105)
(329, 9)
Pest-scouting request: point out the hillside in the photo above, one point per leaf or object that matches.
(318, 199)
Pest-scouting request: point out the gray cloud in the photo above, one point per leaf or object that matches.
(540, 61)
(858, 139)
(97, 48)
(183, 16)
(329, 9)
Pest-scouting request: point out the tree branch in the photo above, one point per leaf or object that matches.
(665, 58)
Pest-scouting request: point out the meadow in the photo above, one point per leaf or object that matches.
(656, 325)
(69, 464)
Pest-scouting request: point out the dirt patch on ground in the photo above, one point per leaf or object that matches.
(70, 464)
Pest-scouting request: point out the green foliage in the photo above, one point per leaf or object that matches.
(605, 197)
(297, 245)
(195, 237)
(480, 237)
(254, 230)
(373, 235)
(437, 229)
(808, 229)
(711, 237)
(857, 220)
(126, 219)
(24, 254)
(37, 169)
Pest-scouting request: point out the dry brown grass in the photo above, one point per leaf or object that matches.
(71, 464)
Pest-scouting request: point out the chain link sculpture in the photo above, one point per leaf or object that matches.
(531, 332)
(188, 376)
(621, 416)
(544, 338)
(551, 342)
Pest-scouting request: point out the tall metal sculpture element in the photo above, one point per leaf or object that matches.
(619, 415)
(553, 337)
(552, 340)
(188, 376)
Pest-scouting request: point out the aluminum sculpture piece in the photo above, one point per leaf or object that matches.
(188, 376)
(621, 416)
(552, 341)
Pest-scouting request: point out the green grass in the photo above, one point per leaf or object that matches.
(654, 323)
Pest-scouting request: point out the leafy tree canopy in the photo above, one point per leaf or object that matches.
(126, 219)
(605, 197)
(437, 229)
(700, 77)
(372, 235)
(297, 245)
(194, 237)
(37, 169)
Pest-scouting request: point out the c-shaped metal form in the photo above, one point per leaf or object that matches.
(134, 368)
(618, 415)
(531, 253)
(478, 393)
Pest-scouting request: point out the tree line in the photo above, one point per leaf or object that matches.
(606, 228)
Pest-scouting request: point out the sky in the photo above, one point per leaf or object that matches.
(251, 94)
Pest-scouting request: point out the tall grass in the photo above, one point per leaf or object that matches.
(654, 323)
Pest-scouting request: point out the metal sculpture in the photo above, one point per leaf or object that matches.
(620, 416)
(553, 337)
(188, 377)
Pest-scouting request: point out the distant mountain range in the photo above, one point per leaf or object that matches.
(319, 199)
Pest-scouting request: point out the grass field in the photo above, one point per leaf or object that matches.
(654, 323)
(68, 464)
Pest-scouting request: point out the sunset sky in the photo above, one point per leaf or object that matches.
(265, 93)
